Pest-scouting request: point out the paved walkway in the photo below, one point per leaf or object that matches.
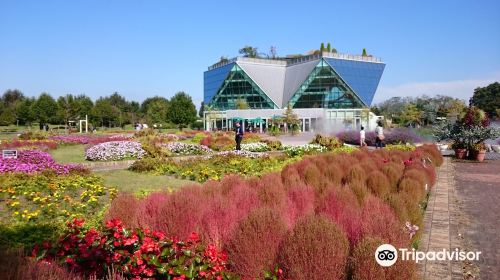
(437, 222)
(478, 191)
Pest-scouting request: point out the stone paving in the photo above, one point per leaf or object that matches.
(464, 212)
(436, 234)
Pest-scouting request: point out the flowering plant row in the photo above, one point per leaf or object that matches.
(241, 153)
(255, 147)
(139, 253)
(115, 150)
(300, 150)
(29, 144)
(89, 139)
(216, 167)
(46, 199)
(36, 161)
(179, 148)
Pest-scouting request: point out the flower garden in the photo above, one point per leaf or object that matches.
(270, 211)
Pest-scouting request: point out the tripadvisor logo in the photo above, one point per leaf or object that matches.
(386, 255)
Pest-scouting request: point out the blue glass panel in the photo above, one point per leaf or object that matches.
(363, 77)
(212, 81)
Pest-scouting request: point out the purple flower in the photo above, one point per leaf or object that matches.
(115, 150)
(35, 161)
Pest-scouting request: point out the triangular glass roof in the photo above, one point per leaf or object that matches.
(324, 88)
(361, 76)
(239, 86)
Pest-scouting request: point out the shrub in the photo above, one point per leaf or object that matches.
(272, 144)
(255, 147)
(328, 142)
(300, 150)
(401, 135)
(124, 207)
(355, 173)
(341, 206)
(412, 187)
(147, 164)
(393, 173)
(378, 183)
(360, 190)
(364, 267)
(223, 143)
(300, 201)
(315, 249)
(179, 148)
(334, 173)
(254, 245)
(378, 220)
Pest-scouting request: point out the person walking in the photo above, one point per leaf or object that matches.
(379, 131)
(362, 137)
(239, 135)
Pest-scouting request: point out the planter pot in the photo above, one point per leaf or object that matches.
(496, 148)
(479, 155)
(460, 153)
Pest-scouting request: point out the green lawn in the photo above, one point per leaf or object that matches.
(69, 154)
(128, 181)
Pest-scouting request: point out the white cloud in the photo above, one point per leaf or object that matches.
(463, 89)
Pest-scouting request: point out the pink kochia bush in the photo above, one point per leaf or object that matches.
(307, 221)
(115, 150)
(36, 161)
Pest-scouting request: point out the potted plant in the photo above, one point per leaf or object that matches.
(478, 151)
(460, 149)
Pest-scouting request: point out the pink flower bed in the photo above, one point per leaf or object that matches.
(35, 161)
(88, 139)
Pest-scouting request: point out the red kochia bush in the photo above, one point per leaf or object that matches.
(300, 203)
(315, 249)
(364, 267)
(254, 245)
(341, 206)
(378, 183)
(124, 207)
(379, 220)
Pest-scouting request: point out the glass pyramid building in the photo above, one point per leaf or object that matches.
(314, 85)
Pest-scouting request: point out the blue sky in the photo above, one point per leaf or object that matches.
(147, 48)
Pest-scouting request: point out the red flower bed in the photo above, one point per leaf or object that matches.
(139, 253)
(297, 220)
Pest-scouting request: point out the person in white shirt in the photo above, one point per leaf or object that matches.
(362, 142)
(379, 131)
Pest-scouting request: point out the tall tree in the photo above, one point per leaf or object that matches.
(322, 47)
(45, 108)
(24, 111)
(85, 105)
(202, 109)
(104, 113)
(290, 119)
(364, 52)
(67, 108)
(487, 98)
(182, 111)
(411, 115)
(328, 47)
(11, 97)
(249, 51)
(157, 111)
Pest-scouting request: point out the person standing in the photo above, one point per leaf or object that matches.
(379, 131)
(362, 137)
(239, 135)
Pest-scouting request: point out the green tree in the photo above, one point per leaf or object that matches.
(322, 47)
(7, 117)
(202, 109)
(487, 98)
(24, 111)
(364, 52)
(157, 111)
(249, 51)
(291, 120)
(11, 97)
(84, 105)
(182, 111)
(411, 115)
(328, 47)
(67, 108)
(45, 108)
(241, 103)
(104, 113)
